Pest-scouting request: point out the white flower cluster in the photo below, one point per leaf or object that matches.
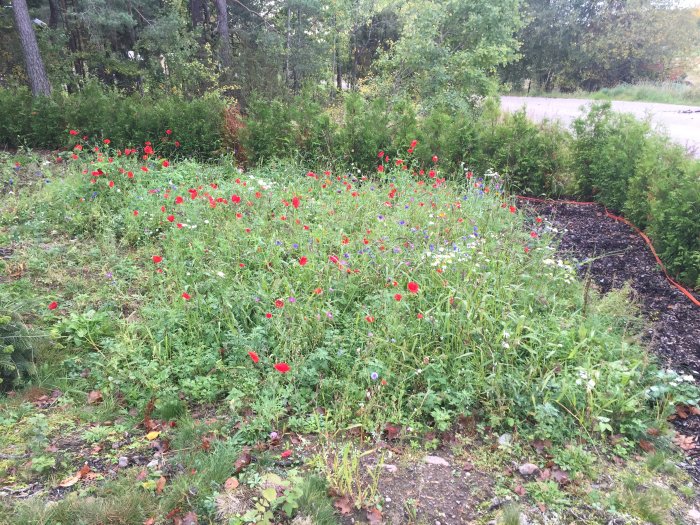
(588, 378)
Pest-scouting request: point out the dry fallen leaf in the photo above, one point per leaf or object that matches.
(392, 431)
(243, 461)
(646, 446)
(541, 444)
(190, 519)
(231, 484)
(72, 480)
(152, 435)
(560, 476)
(519, 490)
(149, 521)
(684, 442)
(69, 482)
(142, 475)
(94, 397)
(160, 484)
(344, 505)
(374, 517)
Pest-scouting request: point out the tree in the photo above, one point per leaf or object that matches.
(450, 49)
(36, 72)
(570, 44)
(225, 52)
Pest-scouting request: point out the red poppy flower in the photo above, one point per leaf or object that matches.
(539, 220)
(268, 315)
(286, 454)
(369, 319)
(130, 174)
(398, 297)
(178, 200)
(171, 218)
(413, 287)
(435, 158)
(380, 169)
(168, 131)
(148, 150)
(53, 305)
(282, 368)
(186, 296)
(380, 154)
(106, 141)
(136, 213)
(420, 316)
(303, 261)
(279, 303)
(111, 184)
(295, 202)
(235, 199)
(318, 291)
(254, 357)
(73, 132)
(157, 259)
(512, 209)
(166, 164)
(533, 234)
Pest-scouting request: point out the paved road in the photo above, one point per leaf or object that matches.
(682, 123)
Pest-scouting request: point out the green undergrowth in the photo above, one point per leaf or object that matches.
(299, 302)
(401, 300)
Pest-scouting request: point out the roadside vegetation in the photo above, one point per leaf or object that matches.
(661, 92)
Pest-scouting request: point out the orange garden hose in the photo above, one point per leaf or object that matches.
(680, 288)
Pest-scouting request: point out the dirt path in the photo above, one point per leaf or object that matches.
(682, 123)
(612, 254)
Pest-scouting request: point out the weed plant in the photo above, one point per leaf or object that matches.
(397, 296)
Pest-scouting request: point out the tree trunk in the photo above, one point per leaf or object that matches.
(225, 51)
(196, 12)
(287, 72)
(53, 14)
(38, 80)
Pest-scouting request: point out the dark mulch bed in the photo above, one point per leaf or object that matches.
(619, 255)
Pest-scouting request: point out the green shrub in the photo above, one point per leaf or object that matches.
(364, 130)
(674, 226)
(529, 155)
(97, 113)
(278, 129)
(658, 160)
(606, 149)
(18, 349)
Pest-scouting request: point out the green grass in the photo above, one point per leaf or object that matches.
(391, 298)
(662, 92)
(495, 324)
